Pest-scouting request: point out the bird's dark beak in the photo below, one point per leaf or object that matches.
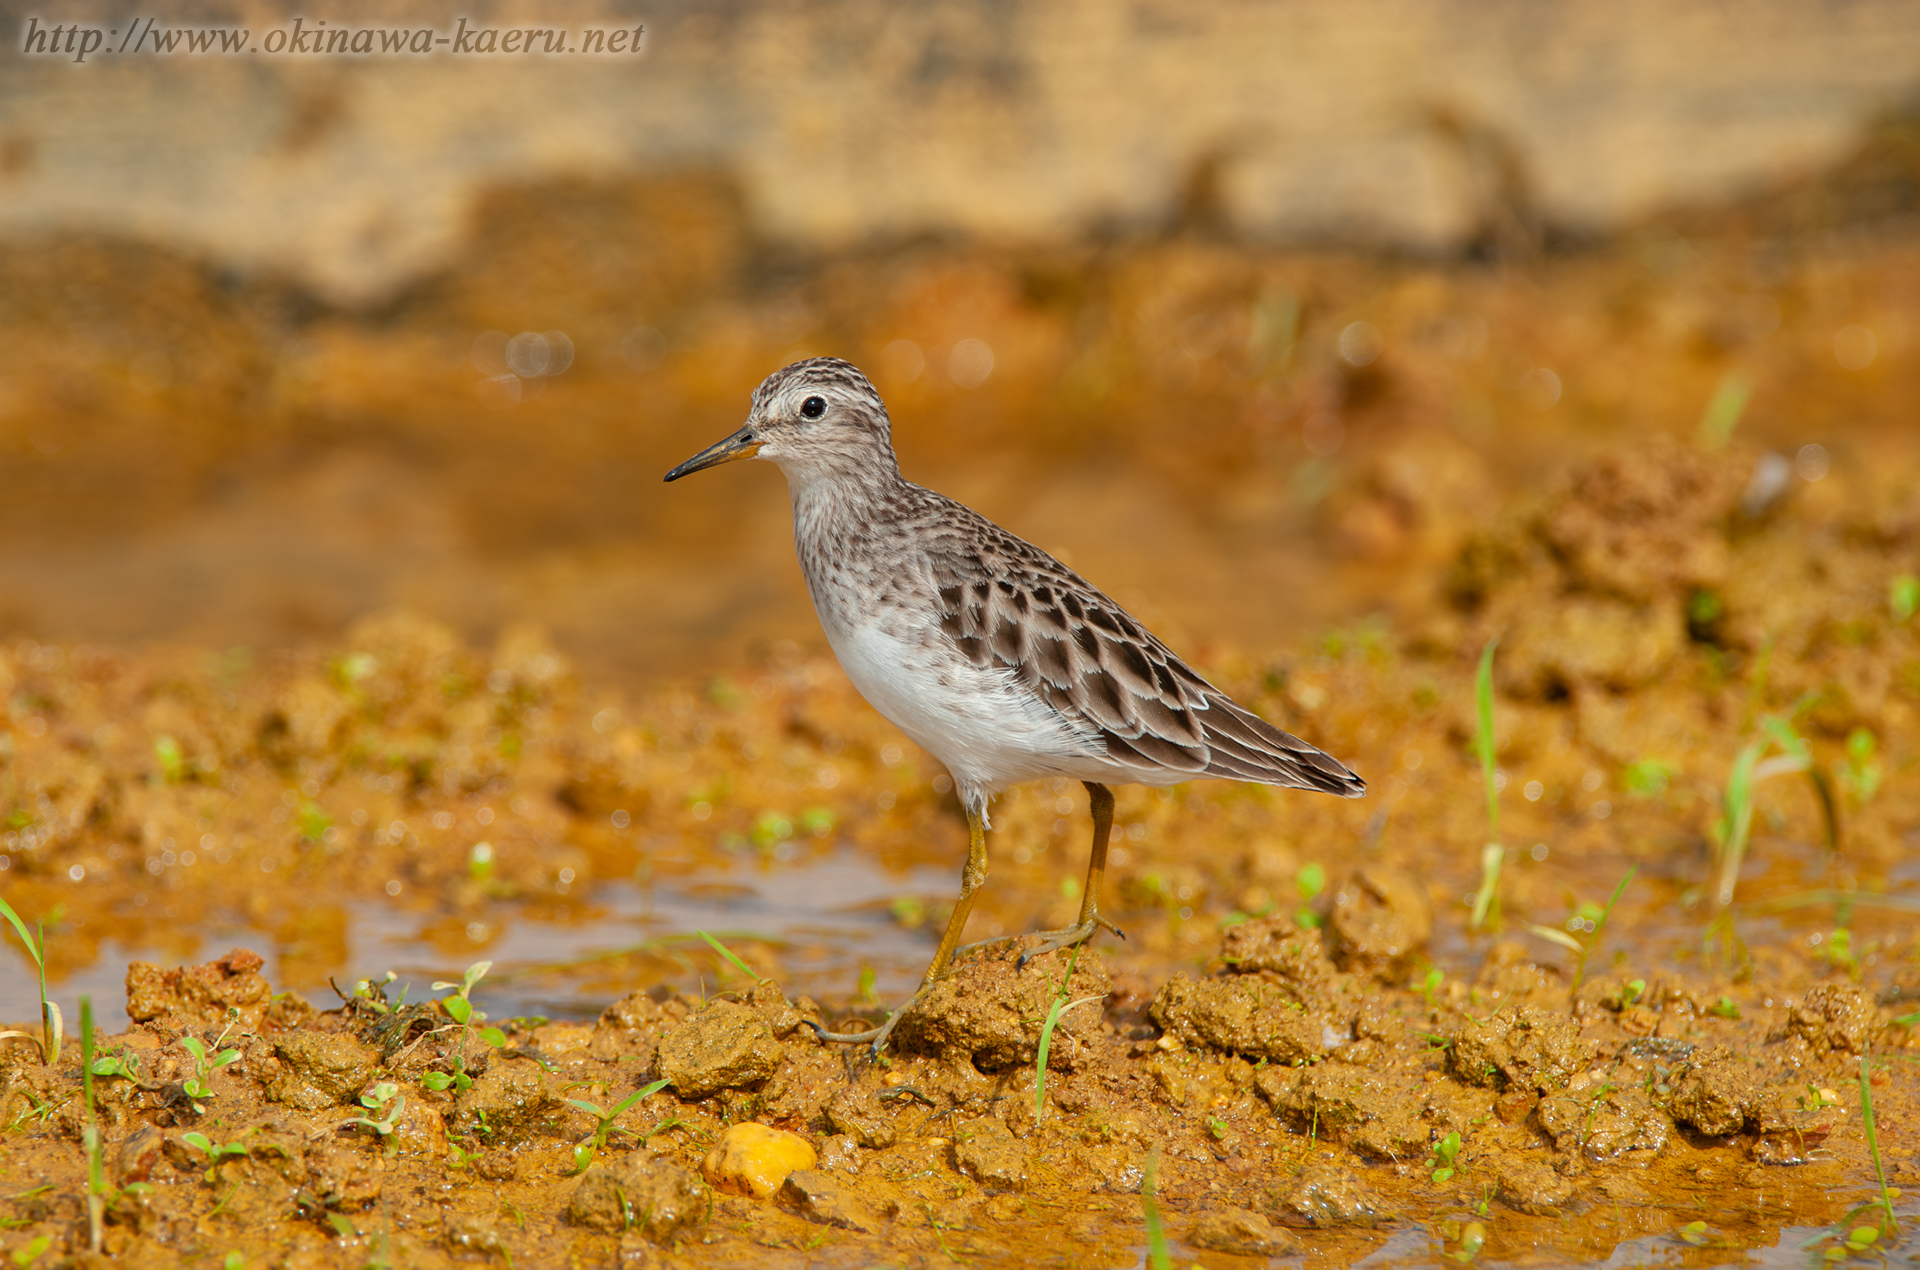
(741, 445)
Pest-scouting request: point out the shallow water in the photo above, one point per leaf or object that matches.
(828, 917)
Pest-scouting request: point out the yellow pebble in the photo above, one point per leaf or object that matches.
(751, 1159)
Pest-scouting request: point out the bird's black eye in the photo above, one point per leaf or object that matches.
(813, 407)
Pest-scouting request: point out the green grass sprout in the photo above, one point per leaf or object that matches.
(387, 1103)
(1158, 1256)
(1891, 1225)
(1859, 773)
(1903, 597)
(173, 766)
(1724, 408)
(1582, 945)
(459, 1008)
(1445, 1152)
(90, 1135)
(732, 957)
(1310, 881)
(1060, 1006)
(50, 1021)
(213, 1151)
(1649, 778)
(591, 1145)
(204, 1065)
(1751, 766)
(1486, 899)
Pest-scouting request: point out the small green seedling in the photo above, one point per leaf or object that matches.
(25, 1257)
(1445, 1152)
(1837, 951)
(459, 1008)
(1649, 778)
(1158, 1255)
(732, 957)
(1889, 1226)
(213, 1151)
(1310, 881)
(1060, 1006)
(51, 1025)
(1218, 1128)
(604, 1126)
(1486, 899)
(195, 1087)
(1724, 408)
(125, 1065)
(1582, 946)
(1750, 767)
(1858, 772)
(1631, 993)
(1725, 1008)
(373, 995)
(387, 1103)
(1430, 986)
(1903, 597)
(90, 1135)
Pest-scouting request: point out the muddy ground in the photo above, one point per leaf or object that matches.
(1295, 1030)
(1301, 1042)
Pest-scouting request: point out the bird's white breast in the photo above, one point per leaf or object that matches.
(987, 728)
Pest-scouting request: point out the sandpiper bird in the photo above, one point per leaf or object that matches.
(993, 656)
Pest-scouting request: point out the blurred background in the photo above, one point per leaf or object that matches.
(1245, 309)
(1260, 315)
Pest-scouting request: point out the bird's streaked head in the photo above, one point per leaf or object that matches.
(817, 418)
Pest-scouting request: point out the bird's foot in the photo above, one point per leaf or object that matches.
(988, 942)
(1055, 940)
(874, 1038)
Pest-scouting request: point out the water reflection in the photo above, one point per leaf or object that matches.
(821, 923)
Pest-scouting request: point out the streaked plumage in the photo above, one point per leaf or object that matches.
(992, 655)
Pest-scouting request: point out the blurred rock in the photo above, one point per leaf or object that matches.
(1522, 1046)
(1834, 1017)
(987, 1151)
(988, 1013)
(1383, 923)
(831, 1201)
(1327, 1195)
(642, 1191)
(320, 1070)
(1530, 1186)
(192, 997)
(724, 1046)
(509, 1098)
(1240, 1232)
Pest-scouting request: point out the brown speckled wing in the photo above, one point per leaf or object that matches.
(1004, 602)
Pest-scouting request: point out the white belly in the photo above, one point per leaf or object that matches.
(989, 730)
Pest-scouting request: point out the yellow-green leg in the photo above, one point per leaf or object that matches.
(972, 876)
(1100, 799)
